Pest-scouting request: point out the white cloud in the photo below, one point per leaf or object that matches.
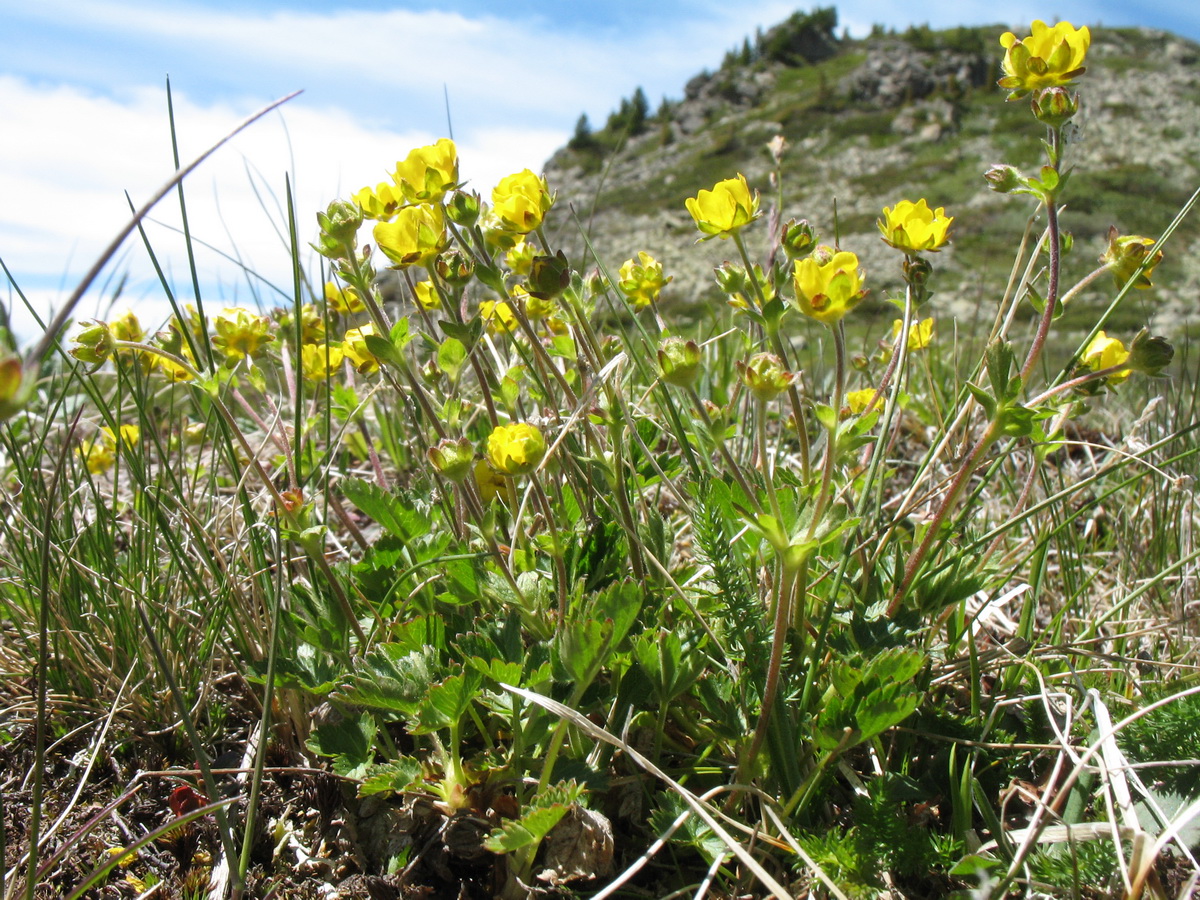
(63, 182)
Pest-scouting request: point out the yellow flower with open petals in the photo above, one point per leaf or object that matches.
(319, 361)
(914, 227)
(828, 285)
(1050, 57)
(97, 456)
(857, 400)
(515, 449)
(920, 334)
(730, 205)
(240, 333)
(520, 201)
(498, 317)
(642, 280)
(379, 202)
(414, 237)
(427, 173)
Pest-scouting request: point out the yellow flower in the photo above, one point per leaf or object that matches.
(726, 208)
(490, 482)
(515, 449)
(240, 333)
(380, 202)
(1124, 257)
(343, 300)
(126, 327)
(1050, 57)
(919, 333)
(98, 457)
(914, 227)
(535, 307)
(415, 237)
(498, 316)
(426, 295)
(858, 400)
(354, 348)
(520, 257)
(642, 280)
(520, 201)
(312, 324)
(319, 361)
(1103, 353)
(828, 284)
(428, 172)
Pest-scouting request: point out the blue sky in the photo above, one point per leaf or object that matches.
(83, 106)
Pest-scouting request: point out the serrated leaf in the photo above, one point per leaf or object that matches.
(350, 741)
(391, 677)
(394, 776)
(391, 512)
(445, 704)
(528, 830)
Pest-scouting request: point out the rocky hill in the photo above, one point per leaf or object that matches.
(894, 116)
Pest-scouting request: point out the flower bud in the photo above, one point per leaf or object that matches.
(452, 458)
(679, 361)
(339, 228)
(730, 278)
(549, 276)
(1149, 355)
(94, 344)
(1125, 255)
(1054, 106)
(766, 376)
(455, 267)
(798, 238)
(1004, 179)
(463, 209)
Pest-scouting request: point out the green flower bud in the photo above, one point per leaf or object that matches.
(463, 209)
(1054, 106)
(549, 276)
(339, 228)
(730, 278)
(1149, 355)
(766, 376)
(454, 267)
(94, 344)
(679, 361)
(798, 238)
(452, 458)
(1004, 179)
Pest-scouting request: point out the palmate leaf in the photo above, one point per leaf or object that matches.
(446, 703)
(350, 741)
(391, 677)
(394, 776)
(394, 515)
(545, 810)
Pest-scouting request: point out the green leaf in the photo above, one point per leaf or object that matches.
(445, 704)
(984, 399)
(391, 678)
(394, 776)
(350, 741)
(391, 512)
(451, 356)
(467, 333)
(826, 415)
(383, 349)
(529, 830)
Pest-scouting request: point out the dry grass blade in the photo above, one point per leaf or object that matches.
(584, 724)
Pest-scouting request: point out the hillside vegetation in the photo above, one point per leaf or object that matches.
(900, 115)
